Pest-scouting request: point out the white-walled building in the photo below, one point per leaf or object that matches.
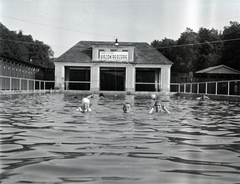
(108, 66)
(16, 75)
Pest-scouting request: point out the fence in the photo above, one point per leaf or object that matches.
(231, 87)
(19, 84)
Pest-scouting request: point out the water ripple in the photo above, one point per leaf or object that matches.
(44, 140)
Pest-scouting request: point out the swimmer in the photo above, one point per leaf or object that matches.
(159, 107)
(153, 99)
(127, 107)
(86, 102)
(85, 106)
(153, 96)
(203, 97)
(100, 96)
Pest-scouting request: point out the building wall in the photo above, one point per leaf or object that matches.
(13, 69)
(59, 76)
(15, 75)
(203, 77)
(164, 75)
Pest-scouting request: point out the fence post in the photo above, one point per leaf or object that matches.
(206, 88)
(27, 84)
(10, 85)
(20, 84)
(34, 85)
(228, 88)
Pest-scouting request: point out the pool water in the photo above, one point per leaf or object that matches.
(45, 140)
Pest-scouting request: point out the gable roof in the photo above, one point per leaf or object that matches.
(143, 53)
(220, 69)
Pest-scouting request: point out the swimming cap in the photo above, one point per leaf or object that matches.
(153, 96)
(85, 101)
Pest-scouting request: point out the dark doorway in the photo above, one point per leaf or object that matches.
(79, 78)
(147, 79)
(112, 78)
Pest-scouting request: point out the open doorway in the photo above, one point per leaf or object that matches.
(112, 78)
(77, 78)
(148, 79)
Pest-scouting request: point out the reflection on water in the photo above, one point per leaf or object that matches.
(44, 140)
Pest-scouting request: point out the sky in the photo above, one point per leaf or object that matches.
(63, 23)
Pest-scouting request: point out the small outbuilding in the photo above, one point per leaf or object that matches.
(112, 66)
(17, 75)
(217, 73)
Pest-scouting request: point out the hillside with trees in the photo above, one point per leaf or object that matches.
(194, 51)
(17, 46)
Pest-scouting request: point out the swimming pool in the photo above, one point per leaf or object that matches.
(45, 140)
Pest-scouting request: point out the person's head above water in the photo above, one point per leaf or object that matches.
(153, 96)
(158, 106)
(127, 107)
(85, 103)
(101, 95)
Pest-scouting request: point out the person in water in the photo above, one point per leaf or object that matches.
(153, 99)
(100, 96)
(203, 97)
(85, 106)
(127, 107)
(86, 103)
(158, 107)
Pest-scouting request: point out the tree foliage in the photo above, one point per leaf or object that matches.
(210, 48)
(187, 52)
(17, 46)
(194, 51)
(231, 45)
(166, 47)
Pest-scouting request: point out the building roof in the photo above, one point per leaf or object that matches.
(220, 69)
(143, 53)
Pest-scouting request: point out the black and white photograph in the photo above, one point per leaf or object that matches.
(120, 91)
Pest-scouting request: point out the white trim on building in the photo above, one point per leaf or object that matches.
(123, 62)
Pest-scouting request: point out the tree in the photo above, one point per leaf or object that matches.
(196, 51)
(231, 45)
(166, 47)
(22, 47)
(187, 52)
(210, 48)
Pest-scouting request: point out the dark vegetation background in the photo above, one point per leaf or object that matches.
(17, 46)
(195, 51)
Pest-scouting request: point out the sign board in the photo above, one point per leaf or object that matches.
(113, 56)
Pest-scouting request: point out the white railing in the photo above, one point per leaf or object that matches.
(20, 84)
(231, 87)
